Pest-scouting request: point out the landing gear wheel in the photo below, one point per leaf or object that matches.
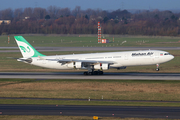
(91, 73)
(100, 72)
(157, 69)
(96, 73)
(85, 73)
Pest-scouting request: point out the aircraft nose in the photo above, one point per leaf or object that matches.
(172, 57)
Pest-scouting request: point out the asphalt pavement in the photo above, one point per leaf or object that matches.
(101, 111)
(79, 75)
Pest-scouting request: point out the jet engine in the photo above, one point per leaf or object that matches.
(101, 66)
(75, 65)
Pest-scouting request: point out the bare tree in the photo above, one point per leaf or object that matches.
(0, 14)
(52, 11)
(63, 12)
(39, 13)
(76, 11)
(28, 12)
(7, 14)
(18, 12)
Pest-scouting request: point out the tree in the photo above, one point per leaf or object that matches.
(63, 12)
(28, 12)
(86, 17)
(173, 17)
(7, 14)
(156, 16)
(39, 13)
(18, 12)
(76, 11)
(47, 17)
(52, 11)
(77, 21)
(105, 19)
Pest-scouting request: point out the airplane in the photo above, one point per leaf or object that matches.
(94, 63)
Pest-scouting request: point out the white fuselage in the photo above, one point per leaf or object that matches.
(119, 59)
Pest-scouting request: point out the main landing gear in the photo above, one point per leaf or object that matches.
(157, 65)
(94, 73)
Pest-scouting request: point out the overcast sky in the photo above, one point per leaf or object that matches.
(93, 4)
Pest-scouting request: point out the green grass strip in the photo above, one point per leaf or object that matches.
(108, 103)
(89, 80)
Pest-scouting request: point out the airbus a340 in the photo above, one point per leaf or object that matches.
(94, 63)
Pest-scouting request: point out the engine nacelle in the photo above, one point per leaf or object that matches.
(105, 66)
(70, 65)
(78, 65)
(101, 66)
(75, 65)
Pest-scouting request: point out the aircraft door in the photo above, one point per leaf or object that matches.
(156, 54)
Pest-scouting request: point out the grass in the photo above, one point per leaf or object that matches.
(48, 117)
(90, 41)
(104, 103)
(95, 89)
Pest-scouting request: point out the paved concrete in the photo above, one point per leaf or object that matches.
(79, 75)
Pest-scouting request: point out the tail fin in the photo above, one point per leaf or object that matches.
(26, 49)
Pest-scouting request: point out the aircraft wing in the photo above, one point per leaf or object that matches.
(90, 62)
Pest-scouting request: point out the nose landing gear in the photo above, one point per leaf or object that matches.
(157, 65)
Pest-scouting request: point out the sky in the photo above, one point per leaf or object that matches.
(93, 4)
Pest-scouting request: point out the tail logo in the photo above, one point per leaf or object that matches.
(28, 50)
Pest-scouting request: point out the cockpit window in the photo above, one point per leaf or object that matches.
(167, 54)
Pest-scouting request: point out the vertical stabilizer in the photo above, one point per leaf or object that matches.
(26, 49)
